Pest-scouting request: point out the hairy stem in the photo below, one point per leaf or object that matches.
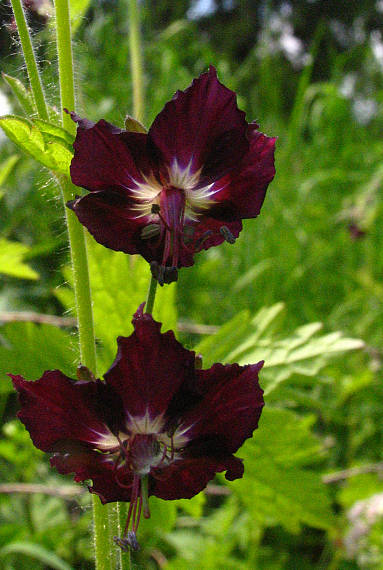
(105, 519)
(30, 60)
(136, 60)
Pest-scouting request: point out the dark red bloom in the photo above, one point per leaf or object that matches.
(182, 187)
(158, 425)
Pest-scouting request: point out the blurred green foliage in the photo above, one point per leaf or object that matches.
(309, 267)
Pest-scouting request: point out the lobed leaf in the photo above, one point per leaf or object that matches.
(247, 340)
(278, 488)
(45, 142)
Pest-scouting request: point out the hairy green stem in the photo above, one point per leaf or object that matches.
(105, 518)
(64, 51)
(151, 296)
(136, 60)
(30, 60)
(79, 258)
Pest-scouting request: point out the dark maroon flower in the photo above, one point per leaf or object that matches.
(182, 187)
(158, 425)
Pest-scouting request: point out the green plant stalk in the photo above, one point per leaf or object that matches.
(136, 61)
(105, 518)
(30, 60)
(151, 296)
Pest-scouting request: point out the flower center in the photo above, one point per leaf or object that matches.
(168, 202)
(141, 452)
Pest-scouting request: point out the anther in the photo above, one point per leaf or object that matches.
(150, 231)
(224, 230)
(188, 233)
(198, 361)
(163, 273)
(127, 542)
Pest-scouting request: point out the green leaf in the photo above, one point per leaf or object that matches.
(6, 167)
(30, 349)
(11, 260)
(194, 506)
(119, 284)
(248, 340)
(49, 149)
(36, 552)
(215, 348)
(277, 487)
(23, 95)
(48, 128)
(78, 9)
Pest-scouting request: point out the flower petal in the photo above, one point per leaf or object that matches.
(185, 479)
(54, 408)
(149, 368)
(98, 467)
(207, 233)
(107, 158)
(201, 126)
(244, 195)
(107, 215)
(230, 406)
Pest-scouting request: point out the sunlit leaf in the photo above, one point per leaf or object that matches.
(49, 149)
(78, 9)
(248, 340)
(11, 260)
(23, 95)
(48, 128)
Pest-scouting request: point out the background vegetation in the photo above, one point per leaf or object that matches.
(301, 288)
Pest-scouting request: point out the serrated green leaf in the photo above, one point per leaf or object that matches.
(245, 340)
(264, 323)
(11, 260)
(216, 347)
(51, 129)
(21, 351)
(6, 167)
(23, 95)
(278, 488)
(48, 149)
(36, 552)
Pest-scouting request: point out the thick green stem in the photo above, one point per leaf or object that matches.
(80, 279)
(105, 518)
(30, 60)
(136, 60)
(151, 296)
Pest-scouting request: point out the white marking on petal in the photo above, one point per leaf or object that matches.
(145, 424)
(147, 192)
(106, 441)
